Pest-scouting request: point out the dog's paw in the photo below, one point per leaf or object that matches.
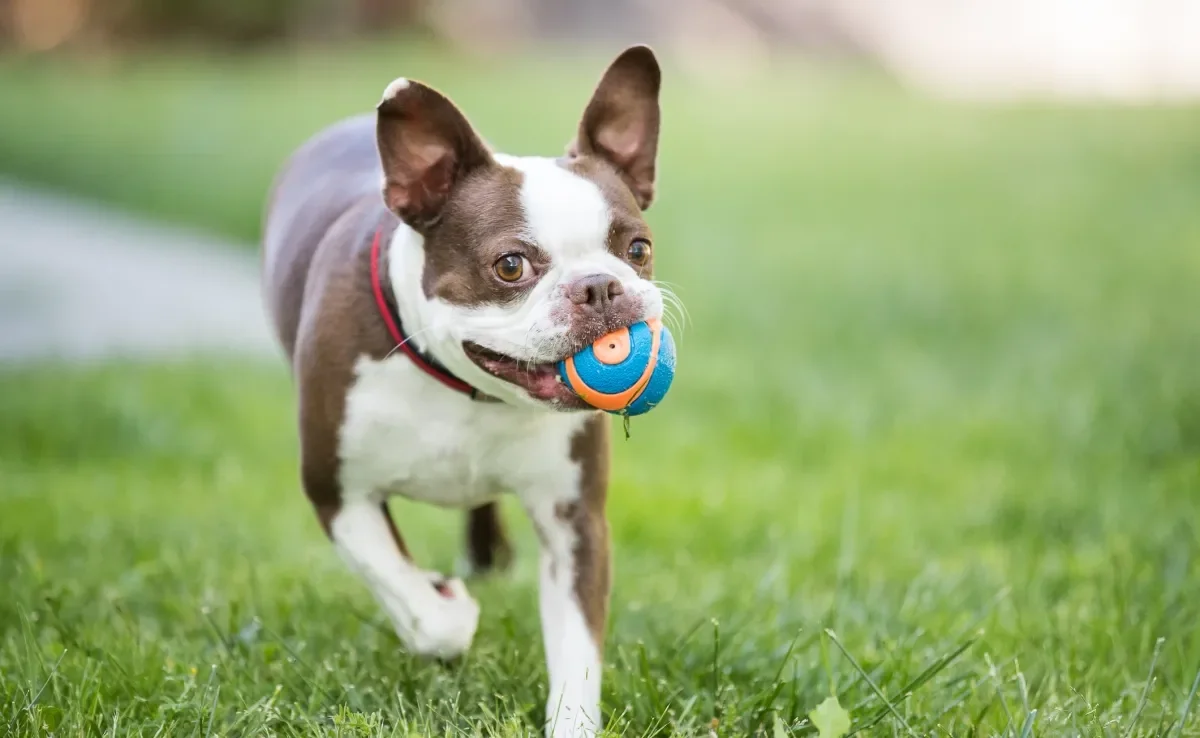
(445, 626)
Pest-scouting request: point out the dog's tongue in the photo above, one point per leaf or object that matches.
(544, 385)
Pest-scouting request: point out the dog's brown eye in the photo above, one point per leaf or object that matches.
(510, 268)
(639, 252)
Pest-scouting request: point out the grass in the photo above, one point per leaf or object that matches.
(934, 447)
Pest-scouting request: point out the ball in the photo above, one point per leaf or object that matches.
(626, 372)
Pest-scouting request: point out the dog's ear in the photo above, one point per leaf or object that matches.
(427, 147)
(620, 124)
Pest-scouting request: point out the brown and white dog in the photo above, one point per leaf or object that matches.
(492, 268)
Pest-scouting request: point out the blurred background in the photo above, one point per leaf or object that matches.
(1107, 48)
(937, 366)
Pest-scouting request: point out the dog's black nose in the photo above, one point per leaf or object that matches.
(596, 291)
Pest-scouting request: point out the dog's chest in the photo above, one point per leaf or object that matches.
(403, 434)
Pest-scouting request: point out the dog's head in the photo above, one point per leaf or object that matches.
(527, 260)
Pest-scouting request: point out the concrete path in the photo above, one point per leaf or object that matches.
(81, 282)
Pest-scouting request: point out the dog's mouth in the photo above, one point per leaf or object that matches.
(539, 380)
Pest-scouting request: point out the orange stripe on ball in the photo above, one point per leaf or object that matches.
(618, 400)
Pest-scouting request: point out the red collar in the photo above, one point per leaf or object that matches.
(391, 318)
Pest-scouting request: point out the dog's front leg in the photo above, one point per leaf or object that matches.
(574, 584)
(573, 598)
(433, 616)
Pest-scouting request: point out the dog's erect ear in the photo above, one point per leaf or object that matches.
(620, 124)
(427, 147)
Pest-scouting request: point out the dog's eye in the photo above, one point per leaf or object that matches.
(639, 252)
(510, 268)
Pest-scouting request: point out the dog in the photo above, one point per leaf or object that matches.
(423, 288)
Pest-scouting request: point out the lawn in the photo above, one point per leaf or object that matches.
(934, 446)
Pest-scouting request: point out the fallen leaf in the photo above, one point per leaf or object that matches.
(830, 719)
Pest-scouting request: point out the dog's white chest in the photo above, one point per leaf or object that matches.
(407, 435)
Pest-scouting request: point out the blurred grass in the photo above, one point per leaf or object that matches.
(940, 376)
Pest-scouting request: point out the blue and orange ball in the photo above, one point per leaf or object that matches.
(626, 372)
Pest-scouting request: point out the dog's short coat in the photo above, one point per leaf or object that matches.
(497, 266)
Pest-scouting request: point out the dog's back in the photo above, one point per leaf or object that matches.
(335, 172)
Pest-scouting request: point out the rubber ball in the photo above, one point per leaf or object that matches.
(626, 372)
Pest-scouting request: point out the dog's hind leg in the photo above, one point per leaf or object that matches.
(486, 542)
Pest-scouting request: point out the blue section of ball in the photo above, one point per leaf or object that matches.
(660, 380)
(613, 378)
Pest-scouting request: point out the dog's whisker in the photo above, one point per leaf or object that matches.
(674, 319)
(410, 337)
(672, 322)
(670, 295)
(676, 330)
(671, 300)
(674, 312)
(668, 290)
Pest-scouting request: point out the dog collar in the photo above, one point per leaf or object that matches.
(391, 318)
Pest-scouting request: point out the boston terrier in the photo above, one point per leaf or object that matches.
(423, 329)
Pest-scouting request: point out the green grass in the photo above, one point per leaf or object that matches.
(939, 394)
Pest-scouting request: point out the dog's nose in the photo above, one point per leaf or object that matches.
(596, 291)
